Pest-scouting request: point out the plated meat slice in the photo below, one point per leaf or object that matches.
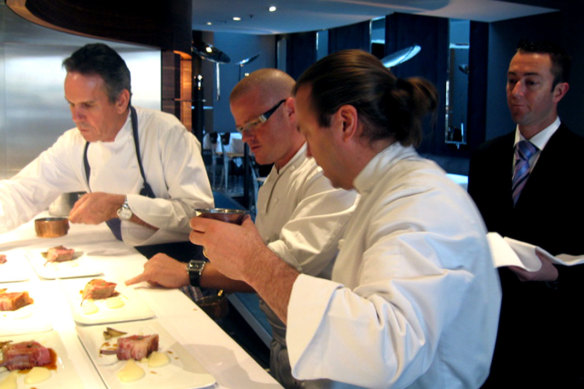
(25, 355)
(99, 289)
(14, 300)
(59, 254)
(136, 346)
(2, 259)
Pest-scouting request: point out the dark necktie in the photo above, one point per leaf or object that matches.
(524, 150)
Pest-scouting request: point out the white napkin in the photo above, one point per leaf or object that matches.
(511, 252)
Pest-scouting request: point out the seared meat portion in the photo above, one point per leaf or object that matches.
(59, 254)
(99, 289)
(25, 355)
(137, 346)
(14, 300)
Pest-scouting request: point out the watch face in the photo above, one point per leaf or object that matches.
(124, 213)
(196, 266)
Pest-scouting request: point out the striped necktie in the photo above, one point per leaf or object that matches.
(524, 150)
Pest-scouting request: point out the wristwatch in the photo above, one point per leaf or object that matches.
(195, 270)
(124, 212)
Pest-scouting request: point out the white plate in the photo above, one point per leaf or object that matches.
(31, 318)
(64, 376)
(126, 306)
(81, 266)
(16, 267)
(182, 372)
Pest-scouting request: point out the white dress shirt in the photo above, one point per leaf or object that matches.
(414, 298)
(173, 166)
(539, 140)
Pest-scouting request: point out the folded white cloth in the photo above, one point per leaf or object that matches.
(511, 252)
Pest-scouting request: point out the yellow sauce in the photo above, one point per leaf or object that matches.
(9, 382)
(89, 307)
(130, 372)
(114, 302)
(36, 375)
(157, 359)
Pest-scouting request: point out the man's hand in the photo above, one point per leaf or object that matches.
(96, 207)
(162, 270)
(239, 253)
(547, 272)
(232, 248)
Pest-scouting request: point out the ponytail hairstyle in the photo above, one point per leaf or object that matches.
(389, 108)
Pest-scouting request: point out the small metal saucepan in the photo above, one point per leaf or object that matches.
(51, 227)
(235, 216)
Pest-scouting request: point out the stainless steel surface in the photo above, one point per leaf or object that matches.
(235, 216)
(64, 203)
(33, 110)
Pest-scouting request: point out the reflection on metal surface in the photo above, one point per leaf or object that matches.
(33, 110)
(213, 54)
(210, 52)
(400, 56)
(244, 62)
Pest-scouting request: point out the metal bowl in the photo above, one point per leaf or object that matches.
(215, 306)
(235, 216)
(51, 227)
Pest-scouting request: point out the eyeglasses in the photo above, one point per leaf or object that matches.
(260, 119)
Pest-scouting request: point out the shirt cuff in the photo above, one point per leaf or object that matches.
(309, 302)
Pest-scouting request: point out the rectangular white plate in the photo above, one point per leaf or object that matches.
(64, 376)
(126, 306)
(31, 318)
(182, 372)
(16, 267)
(81, 266)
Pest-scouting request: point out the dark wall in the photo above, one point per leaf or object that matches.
(354, 36)
(431, 33)
(300, 52)
(237, 47)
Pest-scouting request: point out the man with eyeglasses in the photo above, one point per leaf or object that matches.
(300, 216)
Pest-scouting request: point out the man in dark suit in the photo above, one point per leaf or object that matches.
(540, 340)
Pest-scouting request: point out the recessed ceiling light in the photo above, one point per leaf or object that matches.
(209, 23)
(272, 8)
(237, 18)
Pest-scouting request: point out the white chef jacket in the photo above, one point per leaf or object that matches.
(300, 217)
(173, 167)
(414, 300)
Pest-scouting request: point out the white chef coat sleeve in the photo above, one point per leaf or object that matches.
(182, 185)
(308, 240)
(59, 169)
(390, 323)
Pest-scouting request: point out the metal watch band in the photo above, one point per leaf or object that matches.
(124, 212)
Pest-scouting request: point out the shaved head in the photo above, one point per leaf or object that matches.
(270, 84)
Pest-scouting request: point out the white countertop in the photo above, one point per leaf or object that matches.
(219, 354)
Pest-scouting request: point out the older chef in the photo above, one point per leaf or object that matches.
(143, 171)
